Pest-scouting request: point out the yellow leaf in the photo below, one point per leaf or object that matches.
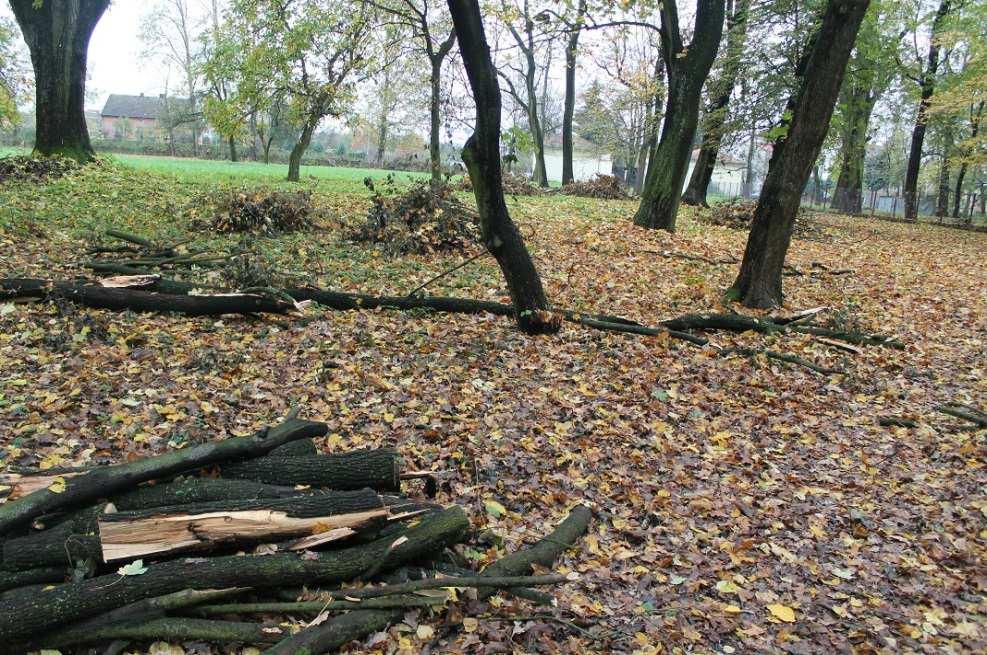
(425, 632)
(732, 609)
(494, 508)
(470, 624)
(782, 612)
(57, 485)
(727, 587)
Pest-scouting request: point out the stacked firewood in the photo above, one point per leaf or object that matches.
(175, 547)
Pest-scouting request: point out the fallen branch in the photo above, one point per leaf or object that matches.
(782, 357)
(966, 413)
(318, 606)
(139, 300)
(544, 552)
(24, 578)
(335, 632)
(173, 629)
(896, 421)
(105, 481)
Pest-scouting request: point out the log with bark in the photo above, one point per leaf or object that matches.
(377, 469)
(139, 300)
(102, 482)
(27, 613)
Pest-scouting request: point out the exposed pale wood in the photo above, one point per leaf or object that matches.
(161, 534)
(22, 485)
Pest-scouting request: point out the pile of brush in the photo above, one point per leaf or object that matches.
(25, 168)
(176, 547)
(604, 187)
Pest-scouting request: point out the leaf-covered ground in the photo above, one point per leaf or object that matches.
(745, 505)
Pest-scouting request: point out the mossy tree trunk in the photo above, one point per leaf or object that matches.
(795, 151)
(57, 33)
(687, 69)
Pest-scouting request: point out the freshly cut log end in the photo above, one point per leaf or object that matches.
(377, 469)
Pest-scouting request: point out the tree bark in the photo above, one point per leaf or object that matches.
(942, 196)
(57, 33)
(232, 143)
(975, 116)
(569, 108)
(716, 118)
(24, 578)
(848, 196)
(198, 490)
(295, 159)
(482, 157)
(686, 75)
(759, 283)
(927, 83)
(105, 481)
(335, 632)
(28, 613)
(377, 469)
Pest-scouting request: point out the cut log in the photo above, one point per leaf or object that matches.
(545, 552)
(62, 545)
(130, 535)
(105, 481)
(199, 490)
(335, 632)
(300, 448)
(138, 300)
(377, 469)
(27, 577)
(28, 613)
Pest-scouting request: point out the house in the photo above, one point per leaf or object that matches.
(144, 118)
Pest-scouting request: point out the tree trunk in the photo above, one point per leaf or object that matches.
(702, 172)
(540, 173)
(942, 198)
(295, 159)
(961, 174)
(848, 196)
(747, 190)
(435, 124)
(482, 157)
(759, 283)
(57, 33)
(569, 108)
(686, 75)
(233, 155)
(928, 87)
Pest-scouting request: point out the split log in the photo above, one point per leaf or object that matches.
(27, 613)
(138, 300)
(377, 469)
(24, 578)
(335, 632)
(544, 552)
(105, 481)
(168, 530)
(966, 413)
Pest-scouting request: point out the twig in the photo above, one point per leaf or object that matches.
(966, 413)
(446, 272)
(784, 357)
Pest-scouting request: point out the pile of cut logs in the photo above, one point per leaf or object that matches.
(188, 545)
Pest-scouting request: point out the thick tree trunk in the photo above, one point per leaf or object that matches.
(848, 196)
(482, 157)
(759, 283)
(232, 144)
(569, 108)
(928, 88)
(57, 33)
(28, 613)
(702, 172)
(295, 159)
(105, 481)
(686, 75)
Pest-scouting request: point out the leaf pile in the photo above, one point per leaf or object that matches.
(421, 219)
(258, 211)
(25, 168)
(604, 187)
(738, 214)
